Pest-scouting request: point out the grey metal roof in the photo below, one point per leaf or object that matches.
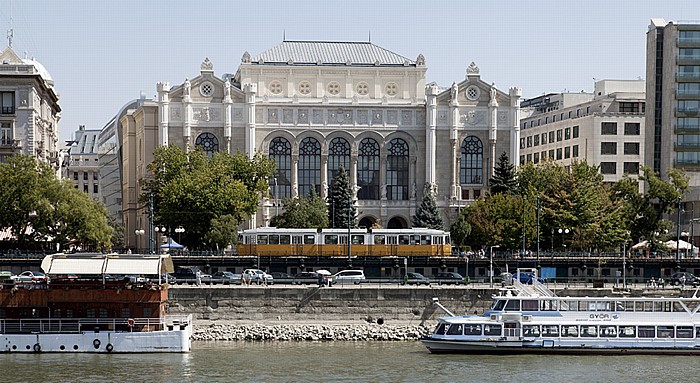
(325, 52)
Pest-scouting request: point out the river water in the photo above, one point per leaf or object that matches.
(339, 362)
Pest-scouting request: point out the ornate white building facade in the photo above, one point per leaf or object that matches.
(316, 106)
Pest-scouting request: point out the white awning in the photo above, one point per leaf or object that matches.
(95, 264)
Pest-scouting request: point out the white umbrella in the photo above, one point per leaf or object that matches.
(641, 245)
(683, 245)
(323, 272)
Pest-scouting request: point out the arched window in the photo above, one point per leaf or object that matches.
(471, 164)
(309, 166)
(208, 142)
(281, 153)
(368, 170)
(338, 155)
(397, 170)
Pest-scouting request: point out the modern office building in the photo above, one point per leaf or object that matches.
(605, 128)
(316, 106)
(29, 110)
(82, 165)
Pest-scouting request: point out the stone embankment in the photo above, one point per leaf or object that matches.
(309, 332)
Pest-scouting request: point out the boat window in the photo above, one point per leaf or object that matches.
(285, 239)
(358, 239)
(549, 306)
(297, 239)
(608, 331)
(589, 331)
(664, 331)
(639, 306)
(330, 239)
(569, 331)
(404, 239)
(529, 305)
(550, 330)
(569, 305)
(492, 329)
(598, 306)
(677, 307)
(619, 306)
(697, 332)
(531, 330)
(626, 332)
(379, 239)
(629, 305)
(646, 331)
(455, 329)
(513, 305)
(309, 239)
(498, 306)
(472, 329)
(274, 239)
(684, 332)
(262, 239)
(440, 329)
(648, 306)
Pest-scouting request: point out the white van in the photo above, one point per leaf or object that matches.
(349, 276)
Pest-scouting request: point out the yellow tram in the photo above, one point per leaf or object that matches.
(272, 241)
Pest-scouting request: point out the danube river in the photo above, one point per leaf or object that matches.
(339, 362)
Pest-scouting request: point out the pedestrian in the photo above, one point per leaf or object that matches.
(198, 277)
(682, 280)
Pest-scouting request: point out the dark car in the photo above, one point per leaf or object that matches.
(306, 278)
(527, 277)
(690, 279)
(449, 278)
(415, 279)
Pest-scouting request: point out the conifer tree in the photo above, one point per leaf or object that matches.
(504, 177)
(427, 214)
(341, 210)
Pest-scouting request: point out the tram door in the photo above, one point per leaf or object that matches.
(511, 329)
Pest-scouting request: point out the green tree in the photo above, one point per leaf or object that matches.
(223, 232)
(428, 214)
(191, 189)
(504, 178)
(341, 210)
(460, 230)
(303, 212)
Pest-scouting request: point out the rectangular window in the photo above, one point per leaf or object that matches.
(522, 143)
(544, 138)
(85, 176)
(575, 151)
(75, 176)
(6, 133)
(536, 140)
(8, 102)
(559, 154)
(559, 135)
(543, 155)
(94, 176)
(608, 128)
(607, 148)
(608, 168)
(536, 158)
(629, 107)
(551, 154)
(575, 131)
(631, 128)
(94, 188)
(567, 133)
(551, 137)
(631, 148)
(567, 152)
(522, 162)
(631, 167)
(477, 194)
(85, 188)
(529, 158)
(529, 141)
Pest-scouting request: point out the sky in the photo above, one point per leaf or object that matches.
(103, 54)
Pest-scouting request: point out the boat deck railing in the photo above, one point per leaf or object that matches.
(77, 325)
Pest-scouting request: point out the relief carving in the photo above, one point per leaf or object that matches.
(288, 116)
(392, 116)
(406, 117)
(362, 117)
(303, 116)
(473, 117)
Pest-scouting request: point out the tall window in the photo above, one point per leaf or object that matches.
(8, 102)
(281, 153)
(397, 170)
(208, 142)
(471, 164)
(5, 133)
(338, 155)
(368, 169)
(309, 166)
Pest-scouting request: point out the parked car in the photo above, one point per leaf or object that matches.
(187, 275)
(306, 278)
(31, 277)
(415, 279)
(226, 278)
(690, 279)
(448, 278)
(257, 276)
(526, 277)
(349, 276)
(279, 275)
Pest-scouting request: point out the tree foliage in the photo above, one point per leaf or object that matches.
(428, 214)
(223, 232)
(38, 207)
(341, 210)
(303, 212)
(191, 189)
(504, 178)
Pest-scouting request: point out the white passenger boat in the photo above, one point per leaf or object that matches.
(83, 307)
(532, 319)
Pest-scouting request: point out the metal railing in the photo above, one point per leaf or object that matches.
(77, 325)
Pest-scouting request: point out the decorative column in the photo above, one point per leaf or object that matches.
(430, 127)
(227, 116)
(163, 111)
(454, 125)
(324, 176)
(515, 94)
(412, 178)
(353, 174)
(382, 176)
(295, 175)
(250, 91)
(187, 115)
(493, 126)
(456, 157)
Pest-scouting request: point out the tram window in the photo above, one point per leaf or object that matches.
(330, 239)
(241, 238)
(274, 239)
(550, 330)
(296, 239)
(447, 239)
(608, 331)
(309, 239)
(379, 239)
(455, 329)
(531, 330)
(440, 329)
(425, 240)
(492, 329)
(358, 239)
(437, 240)
(569, 331)
(626, 332)
(343, 239)
(472, 329)
(262, 239)
(684, 332)
(498, 306)
(646, 331)
(664, 331)
(404, 240)
(392, 240)
(529, 305)
(285, 239)
(513, 304)
(589, 331)
(415, 240)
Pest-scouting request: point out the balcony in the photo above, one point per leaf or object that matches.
(6, 143)
(688, 60)
(688, 42)
(686, 129)
(688, 76)
(686, 146)
(688, 94)
(687, 112)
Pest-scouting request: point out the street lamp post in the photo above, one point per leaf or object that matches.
(678, 234)
(277, 201)
(538, 230)
(491, 264)
(139, 233)
(179, 230)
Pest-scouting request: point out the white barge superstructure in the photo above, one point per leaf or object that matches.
(532, 319)
(83, 307)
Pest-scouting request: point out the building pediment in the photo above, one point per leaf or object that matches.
(8, 56)
(473, 91)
